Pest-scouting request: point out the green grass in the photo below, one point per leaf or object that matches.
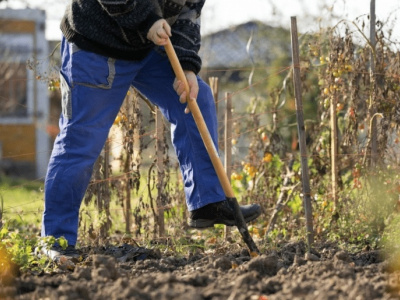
(22, 200)
(23, 204)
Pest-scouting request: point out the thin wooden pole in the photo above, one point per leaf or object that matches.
(228, 135)
(372, 21)
(334, 150)
(160, 172)
(373, 128)
(228, 145)
(128, 209)
(301, 131)
(215, 90)
(106, 194)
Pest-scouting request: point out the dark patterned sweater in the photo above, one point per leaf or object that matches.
(118, 28)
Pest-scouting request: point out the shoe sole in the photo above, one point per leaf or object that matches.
(206, 223)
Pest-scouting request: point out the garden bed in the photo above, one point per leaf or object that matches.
(226, 272)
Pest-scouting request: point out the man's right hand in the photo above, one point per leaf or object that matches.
(179, 87)
(159, 33)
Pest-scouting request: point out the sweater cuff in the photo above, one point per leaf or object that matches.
(191, 66)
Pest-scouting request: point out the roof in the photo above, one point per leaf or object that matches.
(228, 48)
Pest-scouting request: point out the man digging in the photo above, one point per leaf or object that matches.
(107, 47)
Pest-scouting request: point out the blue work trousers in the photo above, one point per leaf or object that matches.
(93, 88)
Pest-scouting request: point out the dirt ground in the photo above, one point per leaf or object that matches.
(228, 273)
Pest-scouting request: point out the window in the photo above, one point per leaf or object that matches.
(13, 89)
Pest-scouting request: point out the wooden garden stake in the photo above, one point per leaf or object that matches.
(127, 164)
(228, 145)
(213, 81)
(301, 130)
(334, 150)
(372, 106)
(160, 149)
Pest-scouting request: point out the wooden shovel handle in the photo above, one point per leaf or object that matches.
(201, 125)
(212, 151)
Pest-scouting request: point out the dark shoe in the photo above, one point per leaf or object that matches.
(57, 254)
(221, 213)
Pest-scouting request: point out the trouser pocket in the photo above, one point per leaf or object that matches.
(89, 69)
(83, 68)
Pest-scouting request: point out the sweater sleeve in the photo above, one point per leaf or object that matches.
(186, 35)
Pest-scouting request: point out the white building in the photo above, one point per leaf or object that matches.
(24, 100)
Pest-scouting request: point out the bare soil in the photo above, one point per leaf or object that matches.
(131, 272)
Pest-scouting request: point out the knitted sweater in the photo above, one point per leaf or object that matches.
(118, 28)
